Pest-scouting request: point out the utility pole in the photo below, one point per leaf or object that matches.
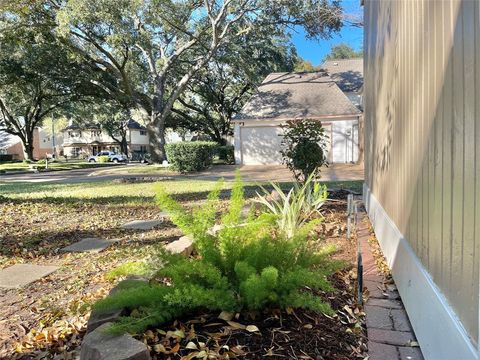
(53, 137)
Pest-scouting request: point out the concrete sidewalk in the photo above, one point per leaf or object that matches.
(253, 173)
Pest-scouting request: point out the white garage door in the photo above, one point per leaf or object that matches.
(261, 145)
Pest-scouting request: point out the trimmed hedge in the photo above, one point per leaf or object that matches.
(226, 153)
(6, 157)
(187, 156)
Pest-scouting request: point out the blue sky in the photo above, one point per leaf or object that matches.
(315, 50)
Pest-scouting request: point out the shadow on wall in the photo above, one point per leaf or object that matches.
(423, 152)
(261, 145)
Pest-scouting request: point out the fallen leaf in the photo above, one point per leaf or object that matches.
(252, 328)
(226, 316)
(236, 325)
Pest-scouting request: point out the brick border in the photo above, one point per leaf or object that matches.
(389, 332)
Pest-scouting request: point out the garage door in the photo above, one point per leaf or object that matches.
(261, 145)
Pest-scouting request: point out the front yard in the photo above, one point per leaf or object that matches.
(49, 316)
(52, 166)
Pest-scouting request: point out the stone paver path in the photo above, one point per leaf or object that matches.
(390, 335)
(20, 275)
(88, 245)
(142, 224)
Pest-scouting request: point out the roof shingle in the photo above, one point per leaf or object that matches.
(347, 73)
(297, 96)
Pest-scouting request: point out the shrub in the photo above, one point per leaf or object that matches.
(187, 156)
(103, 158)
(304, 147)
(248, 267)
(6, 157)
(297, 207)
(226, 153)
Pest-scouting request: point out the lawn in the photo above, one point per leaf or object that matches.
(36, 220)
(54, 166)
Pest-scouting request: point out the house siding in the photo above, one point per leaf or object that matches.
(422, 139)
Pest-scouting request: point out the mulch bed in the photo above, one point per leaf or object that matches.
(277, 334)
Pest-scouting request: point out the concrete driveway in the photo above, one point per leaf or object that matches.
(254, 173)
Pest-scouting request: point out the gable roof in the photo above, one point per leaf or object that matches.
(347, 73)
(132, 124)
(297, 96)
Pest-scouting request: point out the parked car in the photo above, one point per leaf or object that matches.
(116, 158)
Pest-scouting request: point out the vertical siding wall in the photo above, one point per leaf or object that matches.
(422, 143)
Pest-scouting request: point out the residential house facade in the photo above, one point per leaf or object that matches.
(422, 172)
(43, 144)
(82, 141)
(295, 96)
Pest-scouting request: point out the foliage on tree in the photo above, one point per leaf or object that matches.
(343, 51)
(37, 77)
(218, 91)
(305, 66)
(240, 268)
(148, 51)
(304, 147)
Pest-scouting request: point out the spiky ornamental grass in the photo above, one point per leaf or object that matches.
(247, 265)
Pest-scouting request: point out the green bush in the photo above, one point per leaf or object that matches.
(103, 159)
(226, 153)
(304, 147)
(187, 156)
(246, 265)
(6, 158)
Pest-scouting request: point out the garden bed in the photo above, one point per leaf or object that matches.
(48, 318)
(288, 334)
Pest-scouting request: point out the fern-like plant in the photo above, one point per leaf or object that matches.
(247, 267)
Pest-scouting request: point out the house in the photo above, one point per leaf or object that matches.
(291, 96)
(348, 75)
(422, 152)
(43, 144)
(90, 139)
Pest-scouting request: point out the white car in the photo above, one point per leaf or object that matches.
(115, 158)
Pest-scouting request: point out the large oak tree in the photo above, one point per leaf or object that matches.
(149, 51)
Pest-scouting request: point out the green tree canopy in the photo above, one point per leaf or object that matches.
(343, 51)
(36, 76)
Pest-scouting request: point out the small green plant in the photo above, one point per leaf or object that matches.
(188, 156)
(297, 207)
(304, 147)
(247, 265)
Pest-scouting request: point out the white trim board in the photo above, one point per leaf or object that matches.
(438, 330)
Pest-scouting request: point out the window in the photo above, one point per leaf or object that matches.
(95, 133)
(143, 149)
(76, 151)
(143, 132)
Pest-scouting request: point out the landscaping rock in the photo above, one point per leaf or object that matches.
(98, 318)
(183, 246)
(99, 345)
(20, 275)
(88, 245)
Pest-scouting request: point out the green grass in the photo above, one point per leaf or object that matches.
(136, 192)
(55, 166)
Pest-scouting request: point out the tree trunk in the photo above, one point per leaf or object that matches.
(28, 150)
(156, 133)
(124, 146)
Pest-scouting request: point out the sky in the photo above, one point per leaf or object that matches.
(316, 50)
